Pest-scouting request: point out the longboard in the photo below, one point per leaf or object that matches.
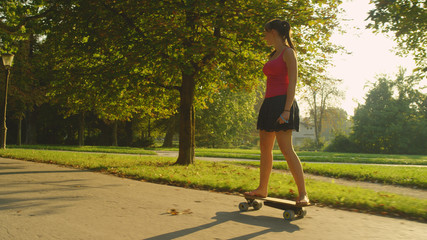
(291, 209)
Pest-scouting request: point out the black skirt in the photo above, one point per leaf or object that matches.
(270, 111)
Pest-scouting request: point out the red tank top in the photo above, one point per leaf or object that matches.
(277, 77)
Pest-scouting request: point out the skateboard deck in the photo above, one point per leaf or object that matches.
(291, 209)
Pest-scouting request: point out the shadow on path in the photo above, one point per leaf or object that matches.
(271, 224)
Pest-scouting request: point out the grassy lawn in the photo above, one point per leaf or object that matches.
(404, 176)
(102, 149)
(225, 177)
(251, 154)
(314, 156)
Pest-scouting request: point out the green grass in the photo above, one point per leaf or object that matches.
(319, 156)
(396, 175)
(314, 156)
(252, 154)
(410, 176)
(102, 149)
(228, 178)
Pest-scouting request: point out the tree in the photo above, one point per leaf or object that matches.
(407, 19)
(107, 49)
(221, 38)
(372, 120)
(320, 95)
(187, 45)
(28, 88)
(229, 119)
(88, 50)
(19, 33)
(335, 122)
(392, 120)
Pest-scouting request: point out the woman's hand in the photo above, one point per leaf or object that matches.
(284, 117)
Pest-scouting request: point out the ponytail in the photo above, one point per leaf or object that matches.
(287, 35)
(288, 39)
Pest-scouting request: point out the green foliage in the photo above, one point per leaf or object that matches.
(122, 60)
(229, 119)
(407, 19)
(18, 36)
(88, 53)
(335, 122)
(393, 119)
(341, 143)
(309, 144)
(18, 22)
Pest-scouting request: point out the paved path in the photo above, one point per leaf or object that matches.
(42, 201)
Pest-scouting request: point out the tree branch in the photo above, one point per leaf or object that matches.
(13, 29)
(131, 23)
(127, 19)
(157, 84)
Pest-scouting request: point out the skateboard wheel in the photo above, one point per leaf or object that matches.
(289, 215)
(257, 205)
(303, 212)
(243, 206)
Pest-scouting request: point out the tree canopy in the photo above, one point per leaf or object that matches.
(407, 19)
(393, 118)
(124, 59)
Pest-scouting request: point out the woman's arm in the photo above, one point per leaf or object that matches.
(291, 62)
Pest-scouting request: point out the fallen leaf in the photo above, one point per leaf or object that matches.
(176, 212)
(173, 212)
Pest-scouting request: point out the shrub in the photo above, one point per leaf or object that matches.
(341, 143)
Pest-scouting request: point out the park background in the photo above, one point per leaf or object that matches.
(102, 73)
(126, 76)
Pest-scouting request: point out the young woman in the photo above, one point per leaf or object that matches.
(279, 113)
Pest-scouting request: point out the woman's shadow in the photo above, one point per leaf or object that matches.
(271, 224)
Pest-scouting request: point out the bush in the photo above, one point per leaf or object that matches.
(143, 142)
(341, 143)
(309, 144)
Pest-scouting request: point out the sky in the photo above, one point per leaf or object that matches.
(371, 55)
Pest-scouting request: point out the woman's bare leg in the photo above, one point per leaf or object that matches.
(284, 140)
(266, 162)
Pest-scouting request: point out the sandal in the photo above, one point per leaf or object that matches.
(303, 202)
(251, 194)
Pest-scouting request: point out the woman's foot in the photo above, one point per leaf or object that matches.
(304, 201)
(257, 193)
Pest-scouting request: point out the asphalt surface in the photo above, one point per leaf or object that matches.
(43, 201)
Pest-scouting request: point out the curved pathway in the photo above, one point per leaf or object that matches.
(43, 201)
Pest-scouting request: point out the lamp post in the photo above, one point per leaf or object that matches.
(7, 62)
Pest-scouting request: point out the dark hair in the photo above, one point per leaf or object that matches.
(283, 28)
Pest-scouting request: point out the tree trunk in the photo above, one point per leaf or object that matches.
(168, 142)
(316, 123)
(149, 128)
(187, 123)
(193, 132)
(31, 131)
(82, 129)
(19, 132)
(115, 133)
(129, 134)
